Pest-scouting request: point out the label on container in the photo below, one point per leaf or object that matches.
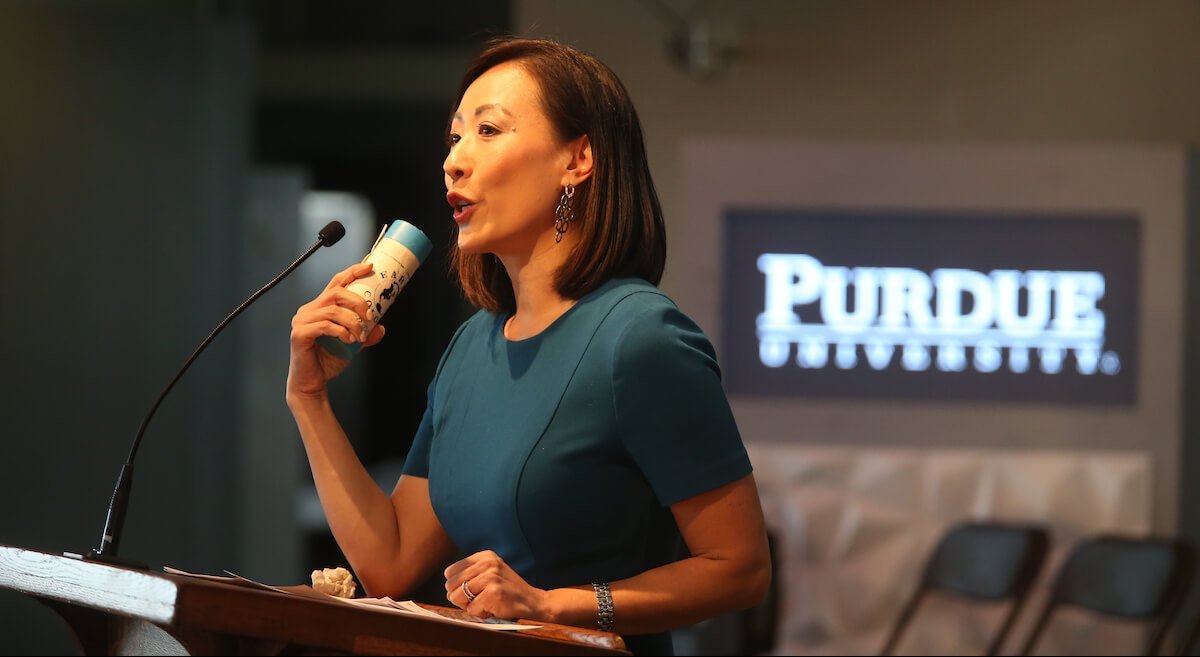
(394, 265)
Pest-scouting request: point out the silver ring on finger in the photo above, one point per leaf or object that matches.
(467, 592)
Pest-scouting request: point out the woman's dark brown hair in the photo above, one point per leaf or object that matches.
(617, 213)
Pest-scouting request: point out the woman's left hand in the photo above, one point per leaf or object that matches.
(497, 589)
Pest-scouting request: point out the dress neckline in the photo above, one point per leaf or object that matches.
(503, 319)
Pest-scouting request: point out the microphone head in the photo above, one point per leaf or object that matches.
(331, 233)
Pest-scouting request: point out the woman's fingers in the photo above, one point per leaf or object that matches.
(458, 595)
(345, 298)
(349, 275)
(476, 604)
(340, 305)
(353, 321)
(375, 337)
(485, 586)
(484, 557)
(477, 570)
(337, 313)
(316, 314)
(310, 331)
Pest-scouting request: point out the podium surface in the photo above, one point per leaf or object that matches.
(115, 611)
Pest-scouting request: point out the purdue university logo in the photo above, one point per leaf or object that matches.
(948, 320)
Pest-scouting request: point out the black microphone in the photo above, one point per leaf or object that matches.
(115, 522)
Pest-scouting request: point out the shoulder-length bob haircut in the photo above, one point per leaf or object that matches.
(617, 214)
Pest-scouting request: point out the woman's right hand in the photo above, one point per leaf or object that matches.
(338, 313)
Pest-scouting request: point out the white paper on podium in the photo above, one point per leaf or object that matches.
(462, 618)
(384, 604)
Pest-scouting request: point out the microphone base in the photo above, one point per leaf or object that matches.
(109, 559)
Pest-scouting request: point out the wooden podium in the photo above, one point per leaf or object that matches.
(122, 611)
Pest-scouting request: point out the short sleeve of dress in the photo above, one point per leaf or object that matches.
(671, 410)
(417, 463)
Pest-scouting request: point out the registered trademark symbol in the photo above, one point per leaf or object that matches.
(1110, 363)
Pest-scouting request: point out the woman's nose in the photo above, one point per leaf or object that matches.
(453, 171)
(455, 165)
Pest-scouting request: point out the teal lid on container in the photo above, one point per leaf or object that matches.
(411, 237)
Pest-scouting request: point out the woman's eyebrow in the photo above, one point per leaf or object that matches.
(483, 108)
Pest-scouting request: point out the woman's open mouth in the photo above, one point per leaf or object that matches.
(463, 206)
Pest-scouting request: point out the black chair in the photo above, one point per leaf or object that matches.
(983, 561)
(1120, 576)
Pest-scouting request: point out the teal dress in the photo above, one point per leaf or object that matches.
(563, 452)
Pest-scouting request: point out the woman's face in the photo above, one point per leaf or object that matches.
(506, 165)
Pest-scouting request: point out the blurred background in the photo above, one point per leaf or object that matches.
(161, 160)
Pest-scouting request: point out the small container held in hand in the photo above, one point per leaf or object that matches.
(396, 255)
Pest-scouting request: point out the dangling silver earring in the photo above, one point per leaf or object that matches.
(563, 214)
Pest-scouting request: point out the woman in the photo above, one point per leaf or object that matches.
(576, 425)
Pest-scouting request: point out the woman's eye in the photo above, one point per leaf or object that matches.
(452, 139)
(487, 130)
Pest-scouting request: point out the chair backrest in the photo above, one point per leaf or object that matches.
(1135, 578)
(983, 560)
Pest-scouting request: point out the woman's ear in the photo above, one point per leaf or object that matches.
(579, 168)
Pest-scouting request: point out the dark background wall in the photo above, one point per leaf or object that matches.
(133, 137)
(123, 144)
